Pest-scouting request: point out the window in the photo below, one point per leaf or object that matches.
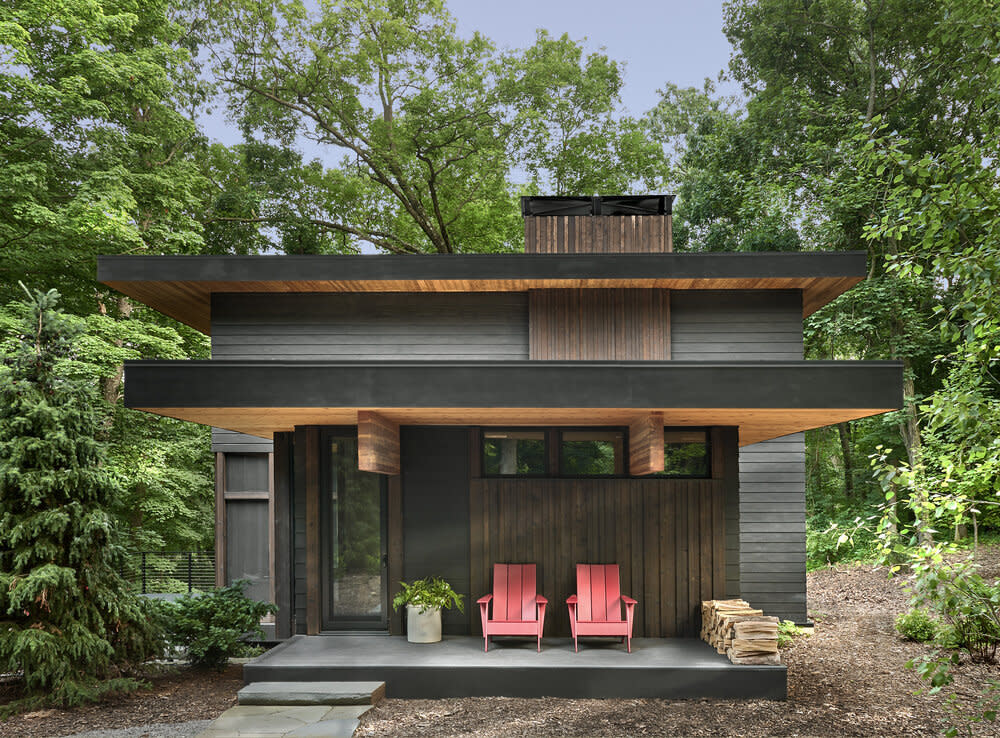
(591, 453)
(514, 453)
(685, 453)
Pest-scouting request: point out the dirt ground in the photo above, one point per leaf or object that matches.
(179, 694)
(848, 679)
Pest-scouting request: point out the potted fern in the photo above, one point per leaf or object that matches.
(424, 600)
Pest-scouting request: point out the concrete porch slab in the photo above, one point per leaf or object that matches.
(672, 668)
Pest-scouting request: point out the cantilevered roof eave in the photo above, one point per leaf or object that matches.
(765, 399)
(181, 286)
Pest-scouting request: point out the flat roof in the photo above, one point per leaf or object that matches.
(765, 399)
(182, 286)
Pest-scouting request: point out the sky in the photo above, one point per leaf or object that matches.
(660, 41)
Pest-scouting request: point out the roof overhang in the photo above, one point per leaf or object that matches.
(764, 399)
(182, 286)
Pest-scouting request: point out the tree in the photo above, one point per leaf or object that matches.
(69, 621)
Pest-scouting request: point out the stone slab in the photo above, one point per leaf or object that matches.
(311, 693)
(278, 721)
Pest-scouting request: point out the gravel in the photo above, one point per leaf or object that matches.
(187, 729)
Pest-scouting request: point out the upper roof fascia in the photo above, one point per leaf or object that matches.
(181, 286)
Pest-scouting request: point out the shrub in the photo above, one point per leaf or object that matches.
(916, 625)
(216, 625)
(787, 631)
(968, 604)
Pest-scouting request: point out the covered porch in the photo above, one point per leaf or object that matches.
(668, 668)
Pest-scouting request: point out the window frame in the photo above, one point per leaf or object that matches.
(544, 430)
(708, 452)
(561, 430)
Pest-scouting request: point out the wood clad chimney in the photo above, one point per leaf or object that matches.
(598, 225)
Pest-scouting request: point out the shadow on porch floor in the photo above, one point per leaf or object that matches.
(672, 668)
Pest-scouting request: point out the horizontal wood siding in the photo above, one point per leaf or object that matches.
(585, 324)
(372, 326)
(748, 326)
(603, 234)
(227, 441)
(773, 526)
(667, 536)
(738, 325)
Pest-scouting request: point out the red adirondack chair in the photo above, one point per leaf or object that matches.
(517, 608)
(596, 608)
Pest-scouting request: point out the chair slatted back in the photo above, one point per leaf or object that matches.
(598, 592)
(514, 592)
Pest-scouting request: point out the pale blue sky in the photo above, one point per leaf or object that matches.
(660, 41)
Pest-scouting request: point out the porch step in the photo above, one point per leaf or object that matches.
(311, 693)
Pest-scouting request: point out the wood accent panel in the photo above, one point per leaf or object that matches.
(190, 301)
(600, 234)
(755, 424)
(395, 524)
(645, 445)
(378, 443)
(666, 535)
(314, 586)
(613, 324)
(283, 575)
(220, 519)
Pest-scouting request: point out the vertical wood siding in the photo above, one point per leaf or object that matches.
(749, 326)
(373, 326)
(667, 536)
(585, 324)
(604, 234)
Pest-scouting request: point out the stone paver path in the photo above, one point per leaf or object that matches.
(271, 721)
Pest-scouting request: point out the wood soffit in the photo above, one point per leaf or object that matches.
(181, 287)
(754, 424)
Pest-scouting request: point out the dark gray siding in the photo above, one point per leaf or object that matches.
(773, 526)
(228, 441)
(713, 325)
(740, 326)
(435, 485)
(375, 326)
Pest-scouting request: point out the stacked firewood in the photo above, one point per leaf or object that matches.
(739, 631)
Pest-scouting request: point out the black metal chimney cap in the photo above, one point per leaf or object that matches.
(599, 205)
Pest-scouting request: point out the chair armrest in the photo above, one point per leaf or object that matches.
(629, 600)
(571, 600)
(484, 599)
(539, 600)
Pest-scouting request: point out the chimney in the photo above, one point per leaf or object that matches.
(609, 224)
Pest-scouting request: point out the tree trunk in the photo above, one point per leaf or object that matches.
(910, 431)
(845, 450)
(111, 386)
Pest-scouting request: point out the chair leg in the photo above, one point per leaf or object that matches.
(576, 645)
(629, 641)
(539, 644)
(486, 644)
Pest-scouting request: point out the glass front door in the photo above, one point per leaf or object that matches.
(354, 534)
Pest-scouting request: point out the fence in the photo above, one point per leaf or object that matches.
(170, 572)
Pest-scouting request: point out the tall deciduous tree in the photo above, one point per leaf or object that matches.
(68, 620)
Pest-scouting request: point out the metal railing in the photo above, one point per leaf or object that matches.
(170, 572)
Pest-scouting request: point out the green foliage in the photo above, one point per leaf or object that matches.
(213, 626)
(839, 535)
(916, 625)
(429, 593)
(788, 631)
(964, 600)
(68, 620)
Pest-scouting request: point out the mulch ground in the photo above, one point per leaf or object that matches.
(848, 679)
(178, 694)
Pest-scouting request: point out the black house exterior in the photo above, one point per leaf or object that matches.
(598, 399)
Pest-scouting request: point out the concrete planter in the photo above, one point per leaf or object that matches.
(423, 627)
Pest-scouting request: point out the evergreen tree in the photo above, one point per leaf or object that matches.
(67, 619)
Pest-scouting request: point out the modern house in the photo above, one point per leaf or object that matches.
(597, 399)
